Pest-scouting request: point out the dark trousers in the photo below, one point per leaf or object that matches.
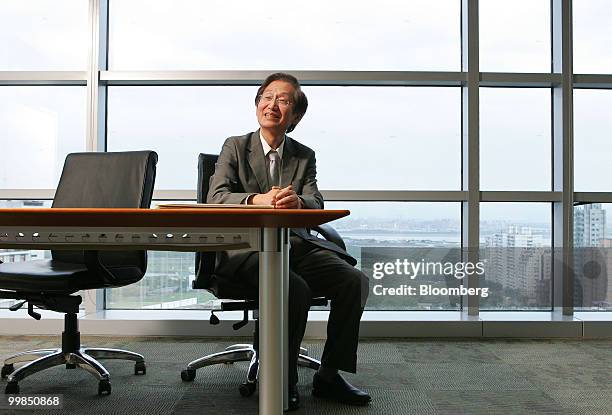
(317, 272)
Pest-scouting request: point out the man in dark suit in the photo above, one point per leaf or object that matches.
(266, 167)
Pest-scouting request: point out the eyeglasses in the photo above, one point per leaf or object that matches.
(268, 98)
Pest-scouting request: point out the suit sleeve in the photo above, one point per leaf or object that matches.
(311, 197)
(225, 181)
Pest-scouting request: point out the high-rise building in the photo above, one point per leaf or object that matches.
(592, 259)
(589, 225)
(515, 262)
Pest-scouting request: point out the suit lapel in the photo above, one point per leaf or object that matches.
(257, 162)
(290, 162)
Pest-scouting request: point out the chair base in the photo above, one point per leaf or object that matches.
(84, 358)
(70, 354)
(242, 353)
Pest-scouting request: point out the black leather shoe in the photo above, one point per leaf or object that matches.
(338, 389)
(294, 398)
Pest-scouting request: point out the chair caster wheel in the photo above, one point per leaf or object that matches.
(70, 366)
(247, 389)
(104, 387)
(140, 368)
(7, 370)
(188, 375)
(12, 388)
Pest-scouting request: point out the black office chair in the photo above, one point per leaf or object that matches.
(89, 180)
(224, 288)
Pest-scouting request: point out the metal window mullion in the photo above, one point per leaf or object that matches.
(43, 78)
(96, 93)
(102, 65)
(254, 77)
(96, 105)
(394, 195)
(563, 165)
(593, 197)
(520, 196)
(27, 194)
(592, 81)
(366, 195)
(502, 79)
(470, 171)
(90, 135)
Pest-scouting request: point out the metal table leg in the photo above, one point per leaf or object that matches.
(286, 247)
(271, 307)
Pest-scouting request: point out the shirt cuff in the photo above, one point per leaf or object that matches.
(248, 198)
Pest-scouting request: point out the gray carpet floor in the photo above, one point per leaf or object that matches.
(403, 377)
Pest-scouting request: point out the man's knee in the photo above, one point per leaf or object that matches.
(357, 283)
(355, 277)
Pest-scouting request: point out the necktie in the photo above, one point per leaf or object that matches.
(275, 162)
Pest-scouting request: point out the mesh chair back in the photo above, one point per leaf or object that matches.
(108, 180)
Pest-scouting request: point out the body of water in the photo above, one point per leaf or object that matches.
(440, 237)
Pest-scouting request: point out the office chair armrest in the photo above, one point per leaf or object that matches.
(329, 233)
(205, 267)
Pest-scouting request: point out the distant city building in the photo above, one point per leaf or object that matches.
(11, 255)
(589, 225)
(592, 258)
(606, 243)
(515, 261)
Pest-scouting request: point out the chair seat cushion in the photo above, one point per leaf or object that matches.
(42, 275)
(226, 289)
(223, 287)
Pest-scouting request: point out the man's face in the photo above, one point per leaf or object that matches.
(275, 107)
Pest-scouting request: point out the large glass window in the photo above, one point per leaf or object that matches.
(514, 35)
(166, 285)
(408, 138)
(392, 138)
(592, 145)
(515, 246)
(242, 34)
(515, 139)
(375, 232)
(44, 35)
(592, 257)
(178, 122)
(592, 36)
(40, 125)
(21, 255)
(388, 238)
(370, 134)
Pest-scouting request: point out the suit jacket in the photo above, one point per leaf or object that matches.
(241, 171)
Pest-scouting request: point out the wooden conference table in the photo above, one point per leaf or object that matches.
(184, 229)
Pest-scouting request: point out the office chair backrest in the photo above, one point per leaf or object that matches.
(206, 169)
(204, 261)
(107, 180)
